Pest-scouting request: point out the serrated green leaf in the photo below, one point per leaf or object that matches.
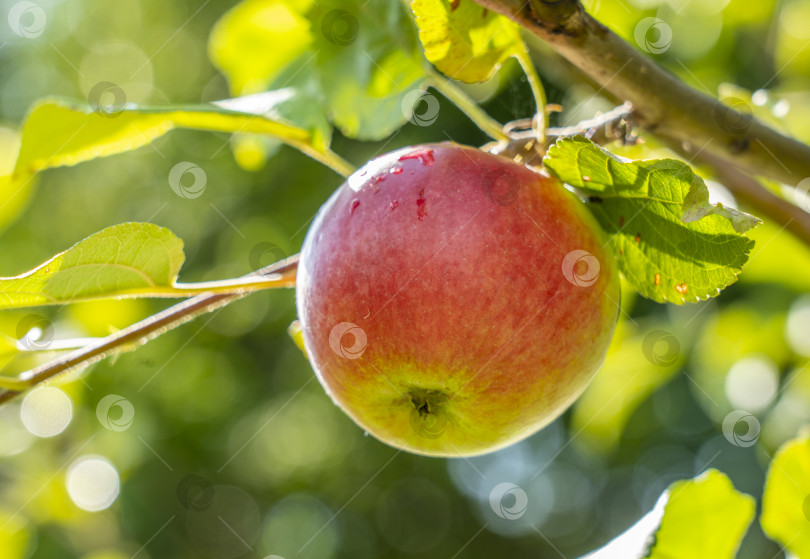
(465, 40)
(669, 242)
(786, 499)
(61, 132)
(126, 259)
(703, 517)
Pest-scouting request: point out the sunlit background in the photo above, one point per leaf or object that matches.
(216, 441)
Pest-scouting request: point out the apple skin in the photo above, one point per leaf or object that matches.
(443, 305)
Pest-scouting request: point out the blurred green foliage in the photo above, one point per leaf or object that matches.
(233, 449)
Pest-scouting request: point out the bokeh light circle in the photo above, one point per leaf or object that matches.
(92, 483)
(46, 411)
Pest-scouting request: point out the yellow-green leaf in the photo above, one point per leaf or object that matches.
(703, 517)
(465, 40)
(14, 190)
(126, 259)
(786, 500)
(698, 518)
(14, 193)
(257, 39)
(60, 132)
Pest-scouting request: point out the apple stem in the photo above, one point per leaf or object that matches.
(540, 121)
(279, 274)
(486, 123)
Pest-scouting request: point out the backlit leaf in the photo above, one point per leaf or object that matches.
(668, 240)
(465, 40)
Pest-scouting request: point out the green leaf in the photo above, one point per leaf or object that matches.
(14, 190)
(360, 59)
(668, 240)
(126, 259)
(786, 500)
(253, 42)
(465, 40)
(703, 517)
(14, 193)
(290, 104)
(697, 518)
(60, 132)
(366, 79)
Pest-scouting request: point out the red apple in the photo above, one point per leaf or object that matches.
(454, 302)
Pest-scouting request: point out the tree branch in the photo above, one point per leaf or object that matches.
(663, 104)
(280, 274)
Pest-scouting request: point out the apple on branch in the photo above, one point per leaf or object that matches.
(454, 302)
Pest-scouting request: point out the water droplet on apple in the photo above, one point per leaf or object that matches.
(421, 206)
(425, 156)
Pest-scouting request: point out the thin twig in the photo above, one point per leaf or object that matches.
(281, 273)
(616, 124)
